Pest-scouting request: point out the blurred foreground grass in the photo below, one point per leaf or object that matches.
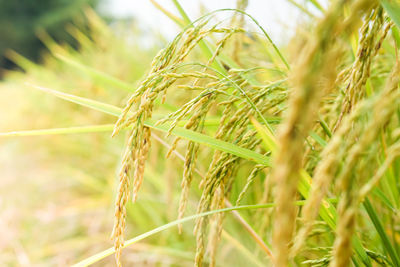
(321, 128)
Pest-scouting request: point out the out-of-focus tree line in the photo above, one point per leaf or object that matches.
(21, 20)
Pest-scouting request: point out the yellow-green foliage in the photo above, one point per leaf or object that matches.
(310, 142)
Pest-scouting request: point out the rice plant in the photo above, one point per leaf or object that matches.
(303, 138)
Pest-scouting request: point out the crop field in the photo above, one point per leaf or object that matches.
(219, 147)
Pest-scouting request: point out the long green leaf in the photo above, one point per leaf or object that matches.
(392, 7)
(382, 234)
(83, 129)
(212, 142)
(69, 130)
(327, 212)
(99, 256)
(266, 135)
(178, 131)
(99, 106)
(317, 5)
(104, 77)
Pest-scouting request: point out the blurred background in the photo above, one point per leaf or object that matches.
(21, 21)
(57, 191)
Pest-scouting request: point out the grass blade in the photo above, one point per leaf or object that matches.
(101, 76)
(317, 5)
(382, 234)
(178, 131)
(68, 130)
(392, 7)
(266, 135)
(99, 256)
(327, 211)
(167, 13)
(212, 142)
(99, 106)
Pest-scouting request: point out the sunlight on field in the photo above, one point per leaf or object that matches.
(160, 134)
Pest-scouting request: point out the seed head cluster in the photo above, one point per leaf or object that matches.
(330, 91)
